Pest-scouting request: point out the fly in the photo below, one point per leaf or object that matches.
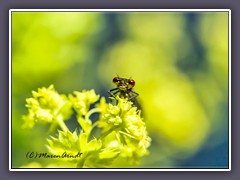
(124, 90)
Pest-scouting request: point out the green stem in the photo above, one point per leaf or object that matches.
(87, 118)
(61, 123)
(126, 134)
(80, 163)
(91, 112)
(108, 132)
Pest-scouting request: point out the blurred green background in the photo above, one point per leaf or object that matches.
(179, 61)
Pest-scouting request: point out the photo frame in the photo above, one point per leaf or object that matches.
(173, 167)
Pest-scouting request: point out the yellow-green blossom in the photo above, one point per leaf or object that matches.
(121, 136)
(93, 153)
(82, 100)
(130, 129)
(45, 106)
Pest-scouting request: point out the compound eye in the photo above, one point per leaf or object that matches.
(115, 79)
(131, 83)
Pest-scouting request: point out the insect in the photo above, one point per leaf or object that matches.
(124, 90)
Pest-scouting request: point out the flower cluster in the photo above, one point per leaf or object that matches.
(46, 106)
(121, 135)
(126, 123)
(82, 100)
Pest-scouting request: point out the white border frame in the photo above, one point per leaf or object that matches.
(117, 10)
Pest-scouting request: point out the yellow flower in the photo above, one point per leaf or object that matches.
(82, 100)
(129, 127)
(45, 105)
(123, 135)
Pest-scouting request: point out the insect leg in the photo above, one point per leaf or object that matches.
(112, 93)
(133, 99)
(133, 94)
